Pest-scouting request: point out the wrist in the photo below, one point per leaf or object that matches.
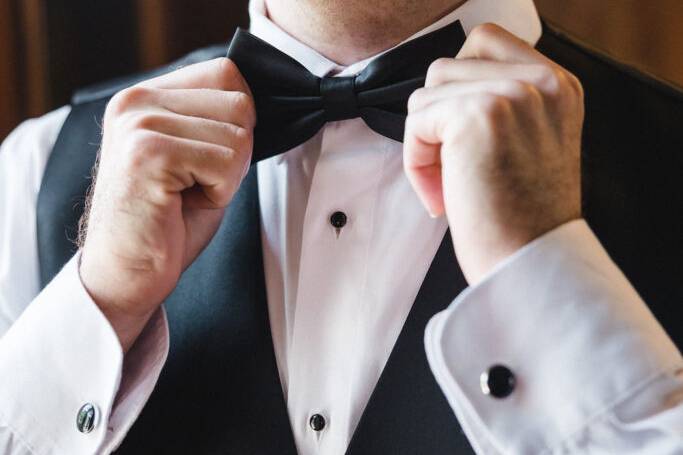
(482, 253)
(113, 305)
(128, 328)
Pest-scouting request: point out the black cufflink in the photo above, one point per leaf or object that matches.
(86, 418)
(499, 381)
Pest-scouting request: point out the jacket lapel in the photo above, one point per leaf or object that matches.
(407, 412)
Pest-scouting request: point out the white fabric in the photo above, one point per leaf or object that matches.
(337, 301)
(596, 372)
(57, 351)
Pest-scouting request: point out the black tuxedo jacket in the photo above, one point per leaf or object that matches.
(219, 391)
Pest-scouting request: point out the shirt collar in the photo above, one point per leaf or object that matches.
(518, 16)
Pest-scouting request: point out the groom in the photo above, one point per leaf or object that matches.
(407, 267)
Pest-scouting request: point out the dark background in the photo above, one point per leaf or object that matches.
(50, 48)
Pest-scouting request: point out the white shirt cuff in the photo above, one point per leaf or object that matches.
(61, 354)
(564, 319)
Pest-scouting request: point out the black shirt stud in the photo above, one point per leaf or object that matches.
(499, 381)
(317, 422)
(338, 221)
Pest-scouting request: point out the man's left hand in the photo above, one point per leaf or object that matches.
(494, 141)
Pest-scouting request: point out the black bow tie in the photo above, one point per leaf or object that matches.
(292, 104)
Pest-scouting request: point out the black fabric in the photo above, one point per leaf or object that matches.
(292, 104)
(407, 412)
(632, 165)
(61, 199)
(219, 391)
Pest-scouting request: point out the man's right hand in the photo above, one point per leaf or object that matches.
(174, 152)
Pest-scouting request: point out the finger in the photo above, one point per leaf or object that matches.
(179, 164)
(508, 88)
(456, 70)
(219, 74)
(200, 224)
(492, 42)
(426, 132)
(222, 106)
(196, 128)
(422, 165)
(422, 158)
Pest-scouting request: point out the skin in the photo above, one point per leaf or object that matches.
(492, 142)
(351, 30)
(174, 152)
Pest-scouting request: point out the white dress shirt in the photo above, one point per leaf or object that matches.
(337, 299)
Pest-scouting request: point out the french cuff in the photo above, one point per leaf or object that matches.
(62, 367)
(574, 336)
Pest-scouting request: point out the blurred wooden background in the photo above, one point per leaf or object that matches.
(643, 33)
(50, 48)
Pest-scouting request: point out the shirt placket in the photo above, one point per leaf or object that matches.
(336, 237)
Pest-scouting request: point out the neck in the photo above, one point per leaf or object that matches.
(350, 30)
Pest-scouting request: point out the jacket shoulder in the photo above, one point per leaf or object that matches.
(105, 90)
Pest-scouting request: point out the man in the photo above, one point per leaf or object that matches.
(296, 293)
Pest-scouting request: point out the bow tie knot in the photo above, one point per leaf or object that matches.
(339, 98)
(292, 104)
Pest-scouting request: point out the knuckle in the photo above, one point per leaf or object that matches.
(231, 159)
(144, 142)
(493, 108)
(227, 71)
(411, 124)
(517, 89)
(127, 98)
(228, 154)
(143, 147)
(526, 92)
(144, 121)
(415, 99)
(483, 33)
(566, 88)
(541, 71)
(437, 71)
(244, 138)
(243, 103)
(548, 78)
(556, 82)
(575, 85)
